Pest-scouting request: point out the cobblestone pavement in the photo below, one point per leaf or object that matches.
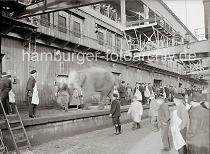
(141, 141)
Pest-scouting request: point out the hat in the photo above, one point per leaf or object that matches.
(178, 96)
(170, 103)
(197, 97)
(33, 71)
(115, 95)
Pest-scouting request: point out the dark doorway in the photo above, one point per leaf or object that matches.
(2, 55)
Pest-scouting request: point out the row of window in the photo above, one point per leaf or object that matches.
(110, 40)
(62, 27)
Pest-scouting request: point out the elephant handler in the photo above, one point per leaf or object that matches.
(32, 94)
(115, 114)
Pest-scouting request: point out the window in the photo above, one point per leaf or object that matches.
(100, 38)
(45, 20)
(62, 24)
(77, 29)
(109, 38)
(118, 43)
(62, 68)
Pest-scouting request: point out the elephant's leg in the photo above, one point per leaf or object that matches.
(103, 97)
(86, 99)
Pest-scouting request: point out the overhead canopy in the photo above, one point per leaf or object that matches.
(47, 6)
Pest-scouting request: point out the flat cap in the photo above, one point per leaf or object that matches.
(178, 96)
(33, 71)
(115, 95)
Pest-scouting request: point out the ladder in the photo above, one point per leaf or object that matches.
(17, 130)
(3, 148)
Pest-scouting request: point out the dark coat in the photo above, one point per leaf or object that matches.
(122, 90)
(167, 91)
(141, 89)
(115, 108)
(5, 86)
(198, 134)
(163, 113)
(30, 85)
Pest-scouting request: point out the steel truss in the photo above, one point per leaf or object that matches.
(140, 40)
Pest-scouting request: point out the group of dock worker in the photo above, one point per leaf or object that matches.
(184, 125)
(8, 96)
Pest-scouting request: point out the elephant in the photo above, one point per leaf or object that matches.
(90, 81)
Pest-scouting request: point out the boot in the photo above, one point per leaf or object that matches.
(116, 129)
(119, 128)
(138, 125)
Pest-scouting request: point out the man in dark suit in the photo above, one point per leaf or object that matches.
(164, 118)
(5, 87)
(115, 114)
(198, 133)
(167, 92)
(122, 92)
(29, 91)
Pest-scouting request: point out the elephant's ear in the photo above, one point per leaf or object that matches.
(82, 78)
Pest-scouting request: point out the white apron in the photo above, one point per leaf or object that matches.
(135, 111)
(178, 140)
(138, 95)
(35, 96)
(11, 97)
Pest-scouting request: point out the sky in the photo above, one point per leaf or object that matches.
(192, 10)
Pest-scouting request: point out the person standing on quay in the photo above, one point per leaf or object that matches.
(164, 118)
(122, 93)
(137, 93)
(198, 133)
(135, 111)
(184, 117)
(153, 112)
(129, 93)
(32, 94)
(115, 113)
(5, 87)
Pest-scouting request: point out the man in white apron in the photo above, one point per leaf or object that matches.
(32, 94)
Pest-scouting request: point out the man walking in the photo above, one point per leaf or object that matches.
(32, 94)
(164, 118)
(183, 115)
(5, 87)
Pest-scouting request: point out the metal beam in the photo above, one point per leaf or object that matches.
(195, 48)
